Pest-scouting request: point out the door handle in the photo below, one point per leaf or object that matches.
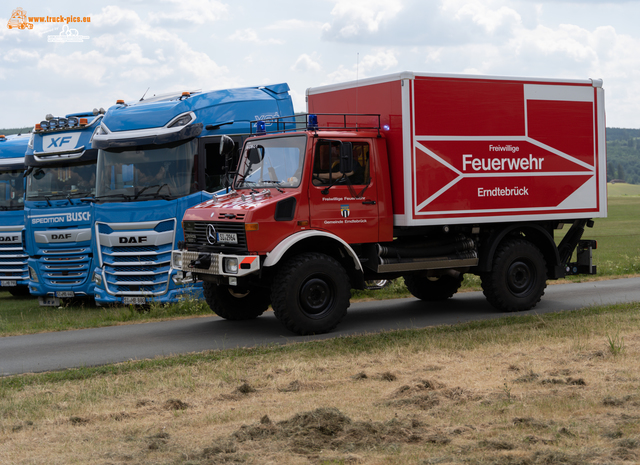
(369, 202)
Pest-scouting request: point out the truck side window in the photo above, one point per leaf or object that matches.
(326, 164)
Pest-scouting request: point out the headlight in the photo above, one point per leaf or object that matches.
(176, 260)
(230, 265)
(97, 278)
(33, 276)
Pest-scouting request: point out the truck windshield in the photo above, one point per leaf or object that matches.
(147, 173)
(11, 190)
(276, 162)
(61, 182)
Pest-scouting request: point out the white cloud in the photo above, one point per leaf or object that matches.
(17, 55)
(481, 14)
(294, 25)
(251, 36)
(383, 59)
(370, 65)
(360, 17)
(175, 44)
(306, 63)
(189, 11)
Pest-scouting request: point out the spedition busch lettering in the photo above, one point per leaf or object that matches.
(73, 216)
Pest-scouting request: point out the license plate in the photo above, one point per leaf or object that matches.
(134, 300)
(48, 301)
(65, 294)
(228, 238)
(8, 283)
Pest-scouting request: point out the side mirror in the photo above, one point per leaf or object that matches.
(255, 155)
(226, 145)
(39, 174)
(346, 157)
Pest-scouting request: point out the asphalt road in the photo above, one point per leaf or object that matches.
(90, 347)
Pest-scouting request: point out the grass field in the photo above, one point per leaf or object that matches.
(618, 254)
(521, 390)
(622, 189)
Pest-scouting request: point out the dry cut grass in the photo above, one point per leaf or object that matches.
(538, 391)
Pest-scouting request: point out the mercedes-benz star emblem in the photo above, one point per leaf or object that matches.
(211, 234)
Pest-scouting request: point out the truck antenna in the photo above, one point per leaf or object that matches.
(145, 93)
(357, 77)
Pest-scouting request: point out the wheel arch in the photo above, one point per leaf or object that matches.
(534, 233)
(322, 242)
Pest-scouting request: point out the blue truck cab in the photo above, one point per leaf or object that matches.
(14, 276)
(157, 158)
(61, 180)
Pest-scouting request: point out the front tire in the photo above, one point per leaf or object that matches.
(433, 289)
(311, 294)
(518, 277)
(19, 291)
(236, 304)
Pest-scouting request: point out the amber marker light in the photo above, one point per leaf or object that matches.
(303, 223)
(84, 121)
(119, 102)
(251, 226)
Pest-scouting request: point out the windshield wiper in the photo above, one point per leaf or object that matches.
(128, 198)
(277, 183)
(156, 193)
(78, 193)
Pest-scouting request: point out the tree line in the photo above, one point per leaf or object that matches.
(623, 155)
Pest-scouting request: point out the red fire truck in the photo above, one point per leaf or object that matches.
(422, 176)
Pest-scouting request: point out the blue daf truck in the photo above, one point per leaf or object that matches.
(157, 158)
(61, 179)
(14, 276)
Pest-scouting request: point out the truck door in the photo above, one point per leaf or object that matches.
(344, 203)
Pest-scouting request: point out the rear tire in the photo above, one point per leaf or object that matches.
(311, 294)
(518, 277)
(236, 304)
(433, 289)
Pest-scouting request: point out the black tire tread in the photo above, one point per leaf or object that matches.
(433, 291)
(232, 308)
(282, 288)
(492, 288)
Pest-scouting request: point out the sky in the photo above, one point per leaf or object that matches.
(133, 47)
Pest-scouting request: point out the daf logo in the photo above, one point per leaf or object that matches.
(60, 237)
(8, 238)
(211, 234)
(133, 240)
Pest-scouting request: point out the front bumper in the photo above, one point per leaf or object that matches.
(215, 263)
(179, 287)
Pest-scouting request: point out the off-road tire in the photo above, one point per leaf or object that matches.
(433, 289)
(518, 277)
(236, 304)
(310, 294)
